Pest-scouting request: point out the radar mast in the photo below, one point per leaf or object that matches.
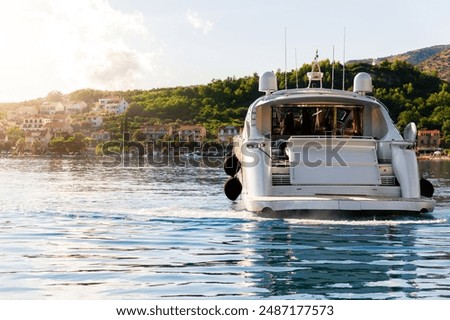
(315, 75)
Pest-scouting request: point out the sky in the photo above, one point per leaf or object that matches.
(66, 45)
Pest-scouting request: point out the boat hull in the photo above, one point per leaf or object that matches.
(338, 204)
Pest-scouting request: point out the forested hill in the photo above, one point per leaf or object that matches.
(410, 95)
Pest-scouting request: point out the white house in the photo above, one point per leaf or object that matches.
(112, 105)
(34, 122)
(226, 133)
(48, 108)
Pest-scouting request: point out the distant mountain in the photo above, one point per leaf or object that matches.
(430, 59)
(440, 63)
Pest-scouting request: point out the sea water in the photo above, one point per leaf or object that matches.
(75, 228)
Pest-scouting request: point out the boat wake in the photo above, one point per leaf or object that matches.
(310, 220)
(366, 222)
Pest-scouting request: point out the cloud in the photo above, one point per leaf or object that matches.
(198, 23)
(121, 69)
(68, 45)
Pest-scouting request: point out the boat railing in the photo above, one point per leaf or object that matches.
(277, 138)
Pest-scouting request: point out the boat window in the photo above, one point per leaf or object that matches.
(335, 120)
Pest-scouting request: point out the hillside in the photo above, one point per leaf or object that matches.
(435, 59)
(439, 63)
(409, 93)
(418, 56)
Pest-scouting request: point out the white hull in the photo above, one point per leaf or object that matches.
(337, 204)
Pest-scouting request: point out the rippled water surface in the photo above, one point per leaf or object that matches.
(77, 229)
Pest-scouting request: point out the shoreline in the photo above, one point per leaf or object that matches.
(434, 158)
(91, 155)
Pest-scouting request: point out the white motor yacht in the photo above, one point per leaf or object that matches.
(317, 149)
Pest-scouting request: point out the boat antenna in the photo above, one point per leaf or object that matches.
(285, 58)
(332, 71)
(343, 67)
(296, 70)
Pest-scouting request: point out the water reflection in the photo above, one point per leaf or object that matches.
(333, 261)
(438, 172)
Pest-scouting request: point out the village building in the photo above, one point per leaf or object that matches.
(101, 136)
(156, 132)
(16, 116)
(34, 122)
(191, 133)
(59, 129)
(50, 108)
(61, 117)
(37, 138)
(27, 111)
(112, 105)
(76, 107)
(226, 133)
(95, 119)
(428, 141)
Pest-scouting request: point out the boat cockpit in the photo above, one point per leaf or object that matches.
(313, 121)
(284, 122)
(321, 120)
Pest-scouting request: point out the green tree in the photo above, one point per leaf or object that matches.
(89, 96)
(37, 147)
(138, 135)
(58, 145)
(80, 142)
(446, 132)
(20, 146)
(14, 134)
